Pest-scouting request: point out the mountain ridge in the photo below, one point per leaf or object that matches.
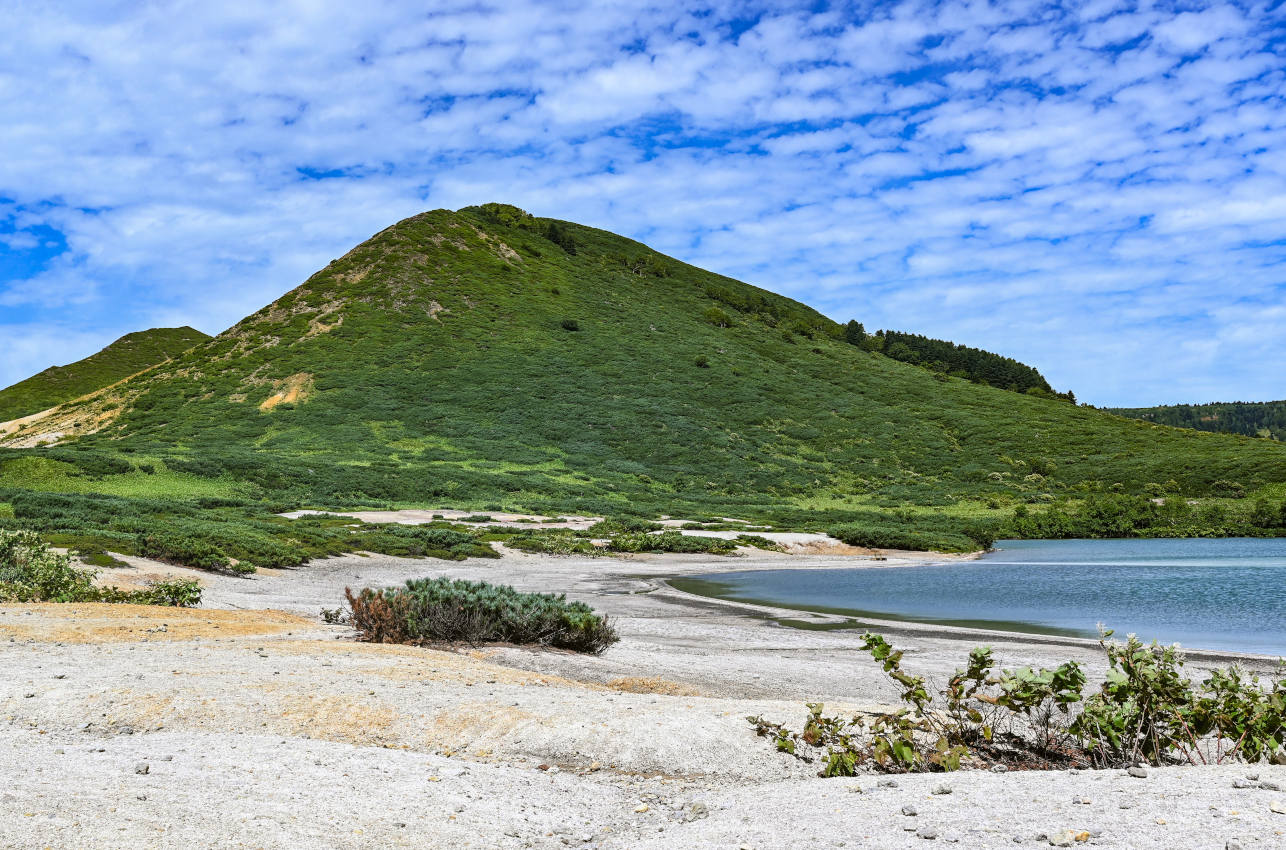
(117, 361)
(489, 355)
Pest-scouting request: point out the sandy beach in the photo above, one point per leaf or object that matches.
(250, 723)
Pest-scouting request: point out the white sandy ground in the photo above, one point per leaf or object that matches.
(262, 728)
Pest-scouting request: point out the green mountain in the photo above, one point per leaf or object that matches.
(127, 356)
(1253, 419)
(486, 357)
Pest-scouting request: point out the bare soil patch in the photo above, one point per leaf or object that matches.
(99, 622)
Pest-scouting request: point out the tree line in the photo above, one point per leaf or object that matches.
(949, 358)
(1253, 419)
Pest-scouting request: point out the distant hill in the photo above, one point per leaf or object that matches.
(1254, 419)
(492, 357)
(126, 356)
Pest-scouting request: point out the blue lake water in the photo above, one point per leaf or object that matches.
(1227, 594)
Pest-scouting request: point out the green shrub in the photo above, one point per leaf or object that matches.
(759, 542)
(621, 524)
(1145, 711)
(32, 572)
(181, 549)
(889, 537)
(447, 610)
(178, 593)
(671, 541)
(552, 542)
(717, 317)
(418, 541)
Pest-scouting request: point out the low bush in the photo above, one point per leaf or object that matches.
(890, 537)
(178, 593)
(759, 542)
(671, 541)
(552, 542)
(1145, 711)
(418, 541)
(620, 525)
(181, 549)
(449, 610)
(32, 572)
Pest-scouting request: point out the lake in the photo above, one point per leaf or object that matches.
(1227, 594)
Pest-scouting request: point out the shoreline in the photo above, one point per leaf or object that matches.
(132, 726)
(696, 585)
(911, 627)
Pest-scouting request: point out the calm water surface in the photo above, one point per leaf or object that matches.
(1225, 594)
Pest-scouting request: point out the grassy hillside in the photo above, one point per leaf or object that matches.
(126, 356)
(484, 357)
(1254, 419)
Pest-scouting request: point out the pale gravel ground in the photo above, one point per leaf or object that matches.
(293, 736)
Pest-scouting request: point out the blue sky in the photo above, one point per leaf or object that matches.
(1098, 189)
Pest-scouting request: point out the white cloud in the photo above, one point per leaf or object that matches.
(1000, 174)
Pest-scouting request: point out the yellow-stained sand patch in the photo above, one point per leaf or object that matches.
(652, 685)
(292, 390)
(469, 723)
(278, 709)
(415, 664)
(101, 622)
(335, 718)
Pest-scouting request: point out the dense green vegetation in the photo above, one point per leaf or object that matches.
(214, 533)
(1136, 516)
(126, 356)
(1254, 419)
(880, 534)
(958, 361)
(491, 360)
(1145, 711)
(449, 610)
(31, 572)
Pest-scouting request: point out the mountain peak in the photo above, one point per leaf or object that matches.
(487, 354)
